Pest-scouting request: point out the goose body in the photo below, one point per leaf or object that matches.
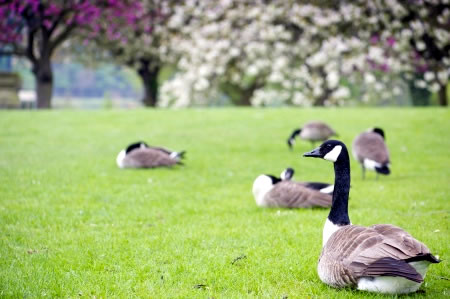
(370, 150)
(313, 131)
(270, 191)
(381, 258)
(141, 155)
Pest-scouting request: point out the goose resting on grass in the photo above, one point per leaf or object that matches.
(380, 258)
(370, 150)
(141, 155)
(270, 191)
(288, 173)
(312, 131)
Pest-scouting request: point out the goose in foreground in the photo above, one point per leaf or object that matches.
(370, 150)
(141, 155)
(312, 131)
(271, 191)
(381, 258)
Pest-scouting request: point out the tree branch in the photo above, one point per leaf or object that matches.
(30, 44)
(60, 18)
(61, 37)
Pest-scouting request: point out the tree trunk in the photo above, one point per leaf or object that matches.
(320, 101)
(246, 96)
(327, 92)
(240, 96)
(43, 74)
(149, 79)
(443, 101)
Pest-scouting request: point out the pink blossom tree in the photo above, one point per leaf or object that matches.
(142, 47)
(34, 29)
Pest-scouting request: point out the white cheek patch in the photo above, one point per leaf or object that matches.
(285, 175)
(334, 154)
(173, 155)
(370, 164)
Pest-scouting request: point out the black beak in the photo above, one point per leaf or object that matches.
(314, 153)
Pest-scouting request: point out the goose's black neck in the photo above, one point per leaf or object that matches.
(339, 207)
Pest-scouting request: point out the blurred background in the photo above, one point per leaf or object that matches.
(166, 53)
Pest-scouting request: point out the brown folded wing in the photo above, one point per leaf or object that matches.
(290, 194)
(353, 252)
(147, 158)
(369, 145)
(161, 149)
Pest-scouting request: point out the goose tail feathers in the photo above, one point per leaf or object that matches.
(424, 257)
(384, 169)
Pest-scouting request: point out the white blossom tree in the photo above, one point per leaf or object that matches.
(283, 52)
(254, 49)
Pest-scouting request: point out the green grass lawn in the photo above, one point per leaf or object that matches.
(74, 225)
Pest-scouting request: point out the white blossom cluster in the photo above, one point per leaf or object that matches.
(285, 52)
(252, 45)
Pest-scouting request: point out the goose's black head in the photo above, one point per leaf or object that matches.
(291, 139)
(329, 150)
(379, 131)
(287, 174)
(136, 145)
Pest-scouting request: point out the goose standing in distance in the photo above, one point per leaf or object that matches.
(271, 191)
(312, 131)
(381, 258)
(141, 155)
(370, 150)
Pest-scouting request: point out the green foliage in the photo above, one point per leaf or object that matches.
(73, 224)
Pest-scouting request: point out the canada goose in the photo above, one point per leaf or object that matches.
(288, 173)
(371, 152)
(141, 155)
(312, 131)
(381, 258)
(270, 191)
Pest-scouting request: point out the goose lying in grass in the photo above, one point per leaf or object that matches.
(370, 150)
(312, 131)
(141, 155)
(381, 258)
(270, 191)
(288, 173)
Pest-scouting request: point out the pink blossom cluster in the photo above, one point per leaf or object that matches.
(18, 17)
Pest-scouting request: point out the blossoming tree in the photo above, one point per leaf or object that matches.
(412, 39)
(141, 47)
(276, 52)
(36, 28)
